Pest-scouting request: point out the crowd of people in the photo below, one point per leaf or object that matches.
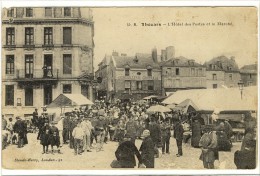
(88, 129)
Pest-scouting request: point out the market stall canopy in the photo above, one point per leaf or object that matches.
(186, 104)
(222, 99)
(68, 100)
(150, 97)
(158, 108)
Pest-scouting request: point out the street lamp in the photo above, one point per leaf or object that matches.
(241, 86)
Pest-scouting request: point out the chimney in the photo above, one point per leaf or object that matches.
(163, 55)
(114, 53)
(170, 52)
(154, 55)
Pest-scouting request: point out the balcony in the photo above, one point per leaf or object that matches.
(37, 74)
(37, 77)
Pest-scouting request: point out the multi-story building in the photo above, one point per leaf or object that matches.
(104, 72)
(181, 73)
(249, 75)
(45, 52)
(133, 77)
(222, 72)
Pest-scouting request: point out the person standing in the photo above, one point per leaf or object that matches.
(35, 117)
(87, 128)
(131, 128)
(40, 124)
(196, 133)
(147, 150)
(54, 137)
(209, 144)
(126, 152)
(178, 135)
(65, 133)
(78, 136)
(166, 135)
(44, 137)
(155, 133)
(4, 122)
(60, 128)
(10, 129)
(19, 129)
(100, 132)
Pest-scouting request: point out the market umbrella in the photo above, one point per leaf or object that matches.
(171, 106)
(158, 108)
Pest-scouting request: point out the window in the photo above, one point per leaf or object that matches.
(215, 86)
(48, 12)
(214, 76)
(48, 39)
(10, 12)
(29, 66)
(138, 73)
(67, 11)
(67, 88)
(9, 69)
(29, 12)
(29, 36)
(67, 35)
(169, 71)
(177, 71)
(138, 85)
(250, 76)
(127, 85)
(150, 85)
(9, 95)
(230, 77)
(192, 71)
(28, 96)
(67, 64)
(84, 90)
(149, 72)
(127, 71)
(10, 36)
(47, 90)
(200, 72)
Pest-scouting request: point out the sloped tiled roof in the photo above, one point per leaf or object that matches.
(249, 69)
(180, 62)
(139, 61)
(222, 63)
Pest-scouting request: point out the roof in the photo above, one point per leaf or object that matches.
(180, 62)
(249, 69)
(222, 63)
(68, 100)
(140, 60)
(223, 99)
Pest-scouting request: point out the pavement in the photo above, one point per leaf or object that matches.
(31, 157)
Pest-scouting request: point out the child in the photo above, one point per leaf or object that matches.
(78, 135)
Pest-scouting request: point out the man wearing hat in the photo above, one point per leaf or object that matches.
(87, 128)
(147, 150)
(54, 137)
(178, 135)
(100, 130)
(60, 128)
(126, 152)
(19, 129)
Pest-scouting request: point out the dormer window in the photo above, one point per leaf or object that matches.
(67, 11)
(136, 60)
(149, 72)
(127, 71)
(29, 12)
(10, 12)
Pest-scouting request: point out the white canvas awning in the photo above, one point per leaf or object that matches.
(222, 99)
(69, 100)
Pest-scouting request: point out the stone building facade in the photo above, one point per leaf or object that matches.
(222, 72)
(45, 52)
(249, 75)
(181, 73)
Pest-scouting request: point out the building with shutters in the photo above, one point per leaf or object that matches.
(180, 73)
(130, 77)
(46, 51)
(248, 75)
(222, 72)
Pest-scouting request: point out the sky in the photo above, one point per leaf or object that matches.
(199, 39)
